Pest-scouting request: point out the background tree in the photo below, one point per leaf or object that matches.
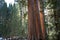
(3, 13)
(50, 6)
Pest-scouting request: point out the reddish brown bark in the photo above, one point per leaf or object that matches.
(42, 25)
(42, 19)
(31, 24)
(34, 26)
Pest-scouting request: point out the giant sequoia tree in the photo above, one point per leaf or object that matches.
(36, 30)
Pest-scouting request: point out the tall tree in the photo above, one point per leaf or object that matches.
(23, 16)
(35, 20)
(41, 6)
(15, 20)
(3, 11)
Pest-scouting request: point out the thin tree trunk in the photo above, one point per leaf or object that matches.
(42, 18)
